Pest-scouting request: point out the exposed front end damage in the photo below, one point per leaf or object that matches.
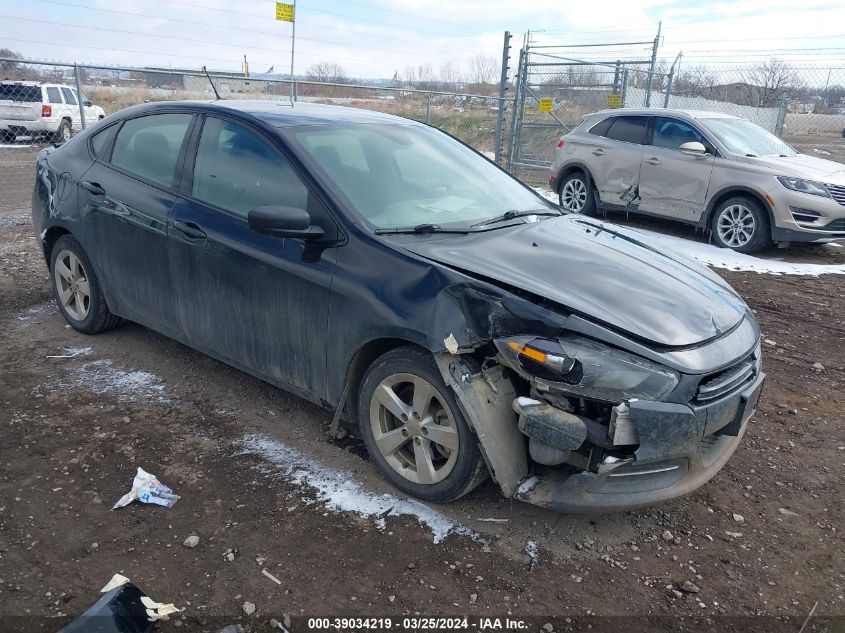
(552, 446)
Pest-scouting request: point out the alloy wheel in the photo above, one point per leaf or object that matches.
(414, 429)
(65, 132)
(74, 289)
(573, 196)
(736, 225)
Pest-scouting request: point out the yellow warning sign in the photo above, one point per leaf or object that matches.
(546, 105)
(614, 101)
(284, 12)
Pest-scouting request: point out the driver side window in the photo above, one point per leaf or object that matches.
(672, 133)
(238, 171)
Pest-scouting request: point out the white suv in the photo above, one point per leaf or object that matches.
(29, 108)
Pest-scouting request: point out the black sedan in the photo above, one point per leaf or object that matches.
(391, 274)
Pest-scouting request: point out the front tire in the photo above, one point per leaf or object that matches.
(741, 224)
(413, 429)
(576, 195)
(77, 289)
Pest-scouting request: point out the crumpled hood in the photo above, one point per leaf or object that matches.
(601, 271)
(802, 166)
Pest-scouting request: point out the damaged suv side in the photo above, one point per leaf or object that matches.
(394, 276)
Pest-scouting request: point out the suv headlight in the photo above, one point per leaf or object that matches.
(586, 368)
(804, 186)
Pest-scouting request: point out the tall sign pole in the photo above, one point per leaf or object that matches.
(287, 13)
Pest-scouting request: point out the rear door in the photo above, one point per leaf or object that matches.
(72, 107)
(126, 197)
(674, 183)
(616, 158)
(258, 301)
(20, 102)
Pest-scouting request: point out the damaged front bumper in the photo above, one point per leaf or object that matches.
(681, 447)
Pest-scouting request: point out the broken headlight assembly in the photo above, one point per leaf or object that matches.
(582, 367)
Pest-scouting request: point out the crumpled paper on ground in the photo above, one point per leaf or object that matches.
(146, 488)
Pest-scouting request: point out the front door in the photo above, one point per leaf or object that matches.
(257, 301)
(127, 194)
(674, 183)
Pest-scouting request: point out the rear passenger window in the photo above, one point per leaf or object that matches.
(601, 128)
(149, 146)
(237, 171)
(100, 141)
(630, 129)
(53, 95)
(69, 96)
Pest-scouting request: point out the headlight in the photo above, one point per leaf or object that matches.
(804, 186)
(583, 367)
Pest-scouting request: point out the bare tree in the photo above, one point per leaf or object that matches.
(11, 69)
(482, 69)
(767, 83)
(694, 81)
(327, 72)
(450, 74)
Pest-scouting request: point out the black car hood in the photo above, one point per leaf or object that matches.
(600, 271)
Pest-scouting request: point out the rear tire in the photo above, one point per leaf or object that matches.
(576, 194)
(77, 289)
(419, 438)
(63, 134)
(741, 224)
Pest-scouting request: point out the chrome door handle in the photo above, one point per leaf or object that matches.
(93, 188)
(599, 152)
(653, 161)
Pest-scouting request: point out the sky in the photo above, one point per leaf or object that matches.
(377, 38)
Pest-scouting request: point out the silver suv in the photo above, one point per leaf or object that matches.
(716, 171)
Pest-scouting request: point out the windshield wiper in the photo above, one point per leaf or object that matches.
(421, 229)
(510, 215)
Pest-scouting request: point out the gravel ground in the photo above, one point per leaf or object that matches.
(755, 549)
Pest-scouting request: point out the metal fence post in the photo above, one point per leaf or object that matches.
(624, 86)
(617, 75)
(503, 86)
(781, 120)
(669, 87)
(428, 109)
(652, 66)
(79, 97)
(517, 106)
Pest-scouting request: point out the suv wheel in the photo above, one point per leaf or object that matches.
(62, 135)
(575, 194)
(740, 224)
(414, 430)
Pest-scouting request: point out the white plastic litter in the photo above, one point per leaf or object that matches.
(116, 581)
(146, 488)
(159, 610)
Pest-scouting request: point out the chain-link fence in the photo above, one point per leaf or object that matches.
(44, 102)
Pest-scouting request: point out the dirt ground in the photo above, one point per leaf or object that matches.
(762, 542)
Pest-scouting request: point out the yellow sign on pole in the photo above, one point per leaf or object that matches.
(614, 101)
(546, 105)
(284, 12)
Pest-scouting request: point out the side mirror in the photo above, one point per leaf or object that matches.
(86, 103)
(283, 222)
(693, 148)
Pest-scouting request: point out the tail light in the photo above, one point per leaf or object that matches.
(46, 110)
(560, 143)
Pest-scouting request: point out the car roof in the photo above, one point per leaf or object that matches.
(692, 114)
(281, 113)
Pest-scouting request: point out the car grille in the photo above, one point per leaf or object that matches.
(837, 192)
(836, 225)
(728, 380)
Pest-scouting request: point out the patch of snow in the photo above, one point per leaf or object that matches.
(25, 317)
(722, 257)
(532, 550)
(77, 351)
(821, 151)
(338, 491)
(101, 377)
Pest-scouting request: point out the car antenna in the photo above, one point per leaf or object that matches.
(213, 87)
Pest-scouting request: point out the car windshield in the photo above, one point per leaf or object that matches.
(399, 176)
(746, 138)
